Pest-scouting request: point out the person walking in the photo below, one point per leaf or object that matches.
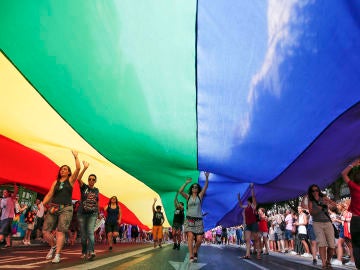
(7, 209)
(113, 220)
(60, 210)
(193, 224)
(318, 205)
(87, 213)
(252, 227)
(158, 220)
(354, 208)
(178, 222)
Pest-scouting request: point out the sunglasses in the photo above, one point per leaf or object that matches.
(315, 190)
(91, 179)
(61, 185)
(195, 187)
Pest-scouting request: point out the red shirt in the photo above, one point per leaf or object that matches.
(250, 216)
(355, 198)
(263, 227)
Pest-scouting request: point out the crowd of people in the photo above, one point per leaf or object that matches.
(319, 228)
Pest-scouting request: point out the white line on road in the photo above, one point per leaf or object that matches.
(254, 264)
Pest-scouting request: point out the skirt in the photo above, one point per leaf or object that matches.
(194, 225)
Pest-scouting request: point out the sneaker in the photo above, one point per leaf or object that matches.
(160, 246)
(191, 259)
(83, 256)
(292, 252)
(350, 263)
(110, 248)
(56, 258)
(178, 246)
(336, 262)
(306, 255)
(91, 256)
(51, 253)
(195, 256)
(175, 246)
(314, 261)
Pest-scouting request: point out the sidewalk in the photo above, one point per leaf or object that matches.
(306, 261)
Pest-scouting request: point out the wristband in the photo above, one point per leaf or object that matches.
(351, 166)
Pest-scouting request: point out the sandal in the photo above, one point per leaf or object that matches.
(328, 265)
(246, 257)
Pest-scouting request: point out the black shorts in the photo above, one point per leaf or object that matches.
(111, 228)
(302, 236)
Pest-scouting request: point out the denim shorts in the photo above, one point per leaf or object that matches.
(288, 235)
(311, 233)
(5, 226)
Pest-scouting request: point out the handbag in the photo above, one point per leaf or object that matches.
(336, 231)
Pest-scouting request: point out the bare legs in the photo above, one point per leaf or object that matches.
(194, 248)
(110, 237)
(326, 254)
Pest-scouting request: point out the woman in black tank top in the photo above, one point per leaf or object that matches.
(60, 209)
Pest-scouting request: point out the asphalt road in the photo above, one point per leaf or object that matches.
(144, 257)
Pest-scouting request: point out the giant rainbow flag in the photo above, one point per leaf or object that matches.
(151, 92)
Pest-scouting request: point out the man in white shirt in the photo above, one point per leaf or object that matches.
(289, 240)
(39, 219)
(7, 206)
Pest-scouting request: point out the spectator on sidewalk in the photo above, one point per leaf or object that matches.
(39, 219)
(263, 231)
(302, 232)
(30, 218)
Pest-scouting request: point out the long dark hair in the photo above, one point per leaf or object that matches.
(59, 176)
(109, 203)
(310, 194)
(194, 185)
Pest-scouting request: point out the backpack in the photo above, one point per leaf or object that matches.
(90, 201)
(283, 225)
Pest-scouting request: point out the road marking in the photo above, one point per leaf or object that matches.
(126, 265)
(254, 264)
(186, 265)
(101, 262)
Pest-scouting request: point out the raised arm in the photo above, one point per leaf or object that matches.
(202, 192)
(81, 174)
(16, 189)
(345, 172)
(253, 194)
(176, 202)
(75, 174)
(181, 190)
(153, 206)
(240, 202)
